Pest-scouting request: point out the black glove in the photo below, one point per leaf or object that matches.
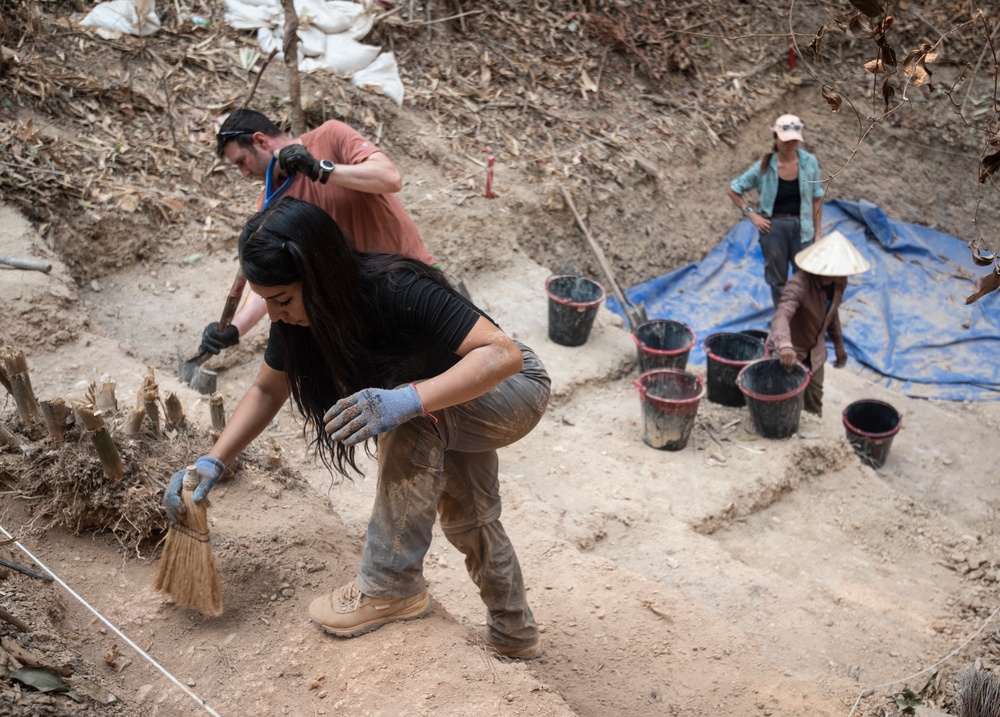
(213, 340)
(296, 158)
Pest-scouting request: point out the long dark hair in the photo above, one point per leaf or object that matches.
(344, 349)
(765, 161)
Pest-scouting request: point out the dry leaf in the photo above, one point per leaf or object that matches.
(832, 99)
(991, 163)
(871, 8)
(986, 284)
(916, 75)
(857, 25)
(888, 93)
(129, 203)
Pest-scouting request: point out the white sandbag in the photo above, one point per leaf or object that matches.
(274, 39)
(312, 41)
(346, 55)
(361, 26)
(132, 17)
(271, 39)
(261, 3)
(329, 20)
(246, 16)
(381, 75)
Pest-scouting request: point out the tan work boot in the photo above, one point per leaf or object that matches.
(530, 651)
(348, 612)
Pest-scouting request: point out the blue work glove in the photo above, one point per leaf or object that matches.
(213, 340)
(296, 158)
(209, 470)
(371, 411)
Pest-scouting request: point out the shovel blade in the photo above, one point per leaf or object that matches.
(190, 372)
(204, 382)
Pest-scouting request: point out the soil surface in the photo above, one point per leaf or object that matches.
(739, 575)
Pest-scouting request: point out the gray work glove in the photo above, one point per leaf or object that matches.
(209, 471)
(371, 411)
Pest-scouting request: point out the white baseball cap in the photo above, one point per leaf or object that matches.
(788, 127)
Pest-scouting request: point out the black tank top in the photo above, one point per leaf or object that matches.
(788, 200)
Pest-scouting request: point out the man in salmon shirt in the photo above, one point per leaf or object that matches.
(333, 167)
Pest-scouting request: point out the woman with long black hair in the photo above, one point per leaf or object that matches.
(380, 346)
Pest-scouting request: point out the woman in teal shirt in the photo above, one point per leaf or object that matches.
(789, 210)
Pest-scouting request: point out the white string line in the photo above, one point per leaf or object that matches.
(929, 667)
(118, 632)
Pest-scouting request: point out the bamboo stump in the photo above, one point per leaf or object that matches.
(217, 411)
(149, 399)
(16, 367)
(174, 411)
(133, 423)
(56, 413)
(107, 451)
(106, 400)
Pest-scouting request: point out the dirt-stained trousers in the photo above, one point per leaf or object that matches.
(450, 467)
(779, 247)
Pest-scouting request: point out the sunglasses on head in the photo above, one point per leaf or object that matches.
(790, 127)
(230, 133)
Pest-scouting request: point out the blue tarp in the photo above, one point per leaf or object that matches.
(906, 318)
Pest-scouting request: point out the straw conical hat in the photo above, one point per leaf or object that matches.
(833, 255)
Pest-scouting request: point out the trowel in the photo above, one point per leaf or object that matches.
(190, 371)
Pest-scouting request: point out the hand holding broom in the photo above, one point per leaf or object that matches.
(207, 471)
(187, 570)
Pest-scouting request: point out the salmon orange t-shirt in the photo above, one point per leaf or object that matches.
(372, 222)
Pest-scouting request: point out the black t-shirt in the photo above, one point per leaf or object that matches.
(418, 318)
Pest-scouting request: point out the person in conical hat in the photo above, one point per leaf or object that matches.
(808, 310)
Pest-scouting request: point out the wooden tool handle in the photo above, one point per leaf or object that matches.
(598, 252)
(191, 478)
(233, 300)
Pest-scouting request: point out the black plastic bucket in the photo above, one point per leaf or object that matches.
(756, 333)
(774, 396)
(663, 343)
(573, 304)
(670, 399)
(871, 425)
(726, 355)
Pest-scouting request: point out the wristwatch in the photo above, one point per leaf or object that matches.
(747, 211)
(325, 168)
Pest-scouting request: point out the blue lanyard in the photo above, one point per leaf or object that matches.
(270, 196)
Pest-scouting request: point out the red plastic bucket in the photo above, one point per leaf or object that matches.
(670, 399)
(663, 343)
(871, 425)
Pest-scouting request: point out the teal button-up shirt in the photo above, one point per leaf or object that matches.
(766, 184)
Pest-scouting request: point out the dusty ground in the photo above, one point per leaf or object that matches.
(738, 576)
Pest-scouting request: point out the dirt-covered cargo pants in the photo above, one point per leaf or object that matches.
(450, 466)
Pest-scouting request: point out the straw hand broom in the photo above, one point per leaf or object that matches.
(187, 570)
